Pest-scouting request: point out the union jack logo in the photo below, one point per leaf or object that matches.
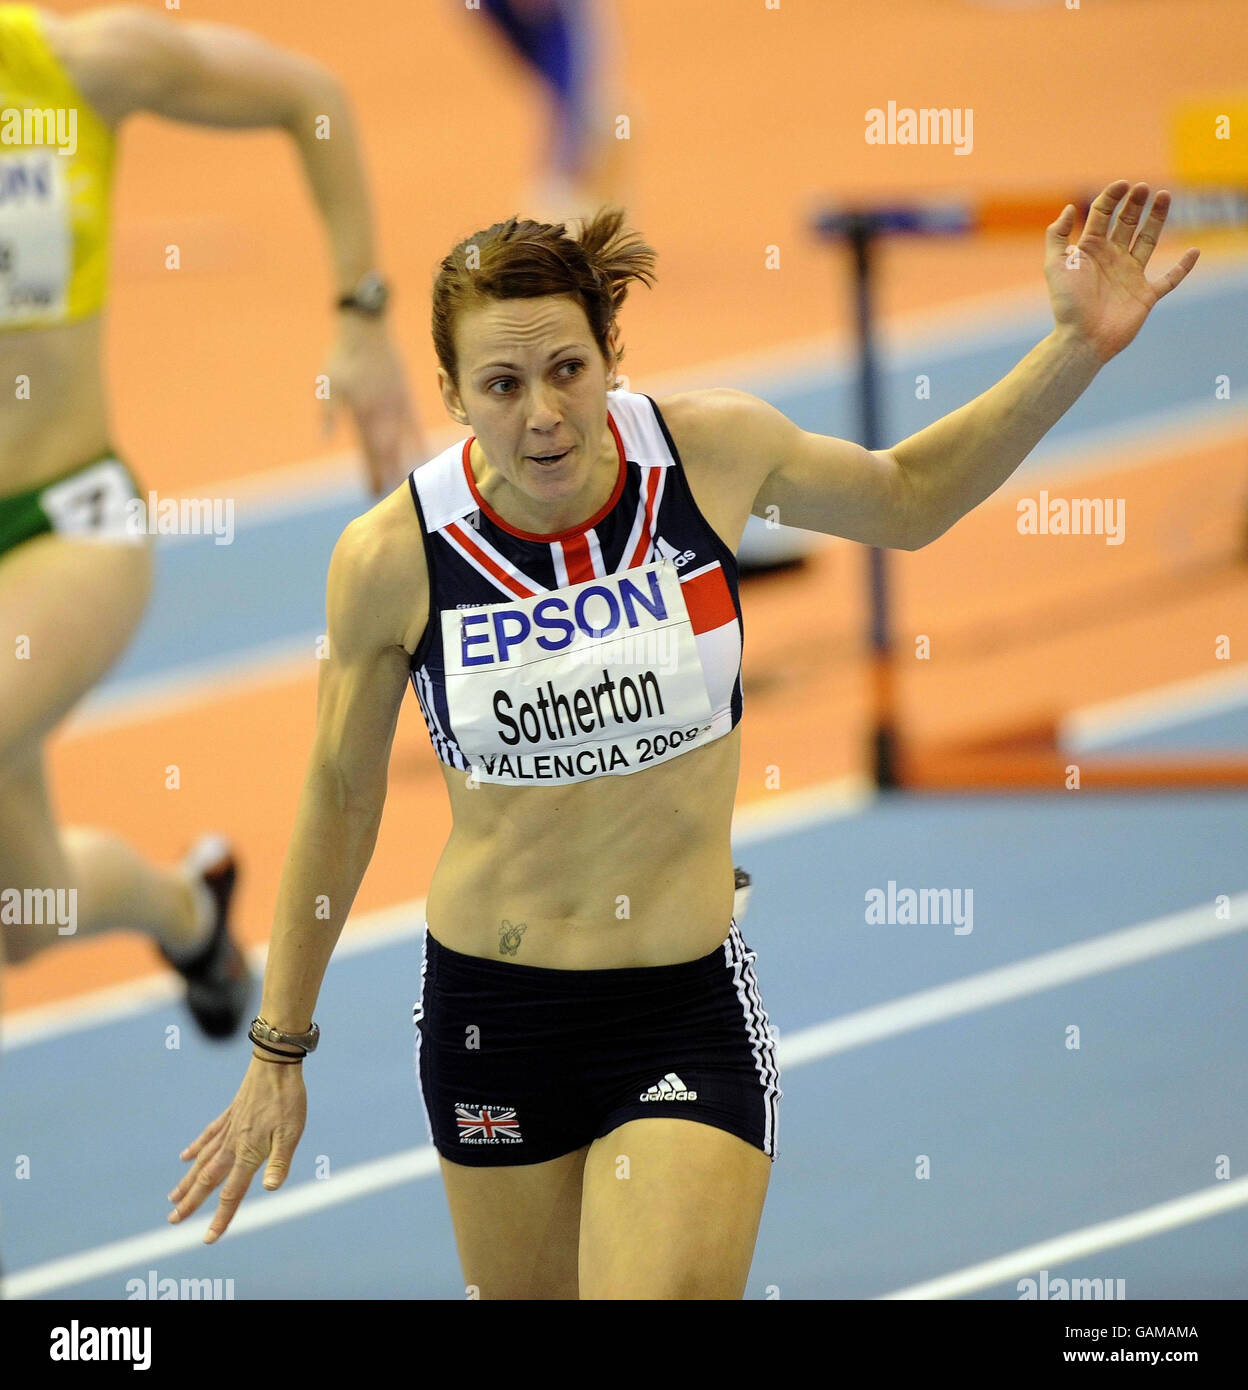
(486, 1123)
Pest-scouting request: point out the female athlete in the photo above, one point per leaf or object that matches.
(597, 1068)
(74, 569)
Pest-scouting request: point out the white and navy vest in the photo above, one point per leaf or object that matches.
(607, 648)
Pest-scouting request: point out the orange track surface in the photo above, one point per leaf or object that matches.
(742, 119)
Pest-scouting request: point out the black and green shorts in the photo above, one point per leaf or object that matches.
(90, 502)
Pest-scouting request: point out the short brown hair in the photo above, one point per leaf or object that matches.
(522, 259)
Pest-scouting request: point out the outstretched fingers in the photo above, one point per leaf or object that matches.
(1129, 216)
(189, 1193)
(1140, 240)
(214, 1162)
(1146, 242)
(1176, 274)
(232, 1194)
(1057, 233)
(1102, 209)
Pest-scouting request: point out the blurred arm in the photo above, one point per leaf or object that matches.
(127, 59)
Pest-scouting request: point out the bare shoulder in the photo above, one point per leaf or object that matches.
(736, 432)
(721, 435)
(111, 32)
(378, 577)
(707, 419)
(109, 52)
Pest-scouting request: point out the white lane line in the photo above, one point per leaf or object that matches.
(1163, 707)
(1068, 963)
(275, 494)
(98, 1007)
(361, 1180)
(1127, 446)
(1122, 1230)
(788, 812)
(1119, 948)
(753, 823)
(192, 685)
(90, 1010)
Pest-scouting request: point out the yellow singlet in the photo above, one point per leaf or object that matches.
(56, 171)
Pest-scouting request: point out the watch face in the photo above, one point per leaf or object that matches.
(371, 293)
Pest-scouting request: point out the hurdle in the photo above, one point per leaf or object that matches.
(1213, 198)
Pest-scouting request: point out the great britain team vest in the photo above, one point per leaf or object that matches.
(604, 649)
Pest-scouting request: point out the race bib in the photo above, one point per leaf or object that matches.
(599, 677)
(36, 238)
(94, 504)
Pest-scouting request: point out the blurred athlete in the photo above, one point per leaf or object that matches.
(569, 46)
(74, 576)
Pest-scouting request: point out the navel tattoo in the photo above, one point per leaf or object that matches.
(509, 938)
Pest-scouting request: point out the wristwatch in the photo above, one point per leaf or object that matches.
(370, 296)
(267, 1033)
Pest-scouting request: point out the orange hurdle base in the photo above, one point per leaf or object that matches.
(1031, 761)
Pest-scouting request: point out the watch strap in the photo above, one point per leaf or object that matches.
(370, 296)
(265, 1032)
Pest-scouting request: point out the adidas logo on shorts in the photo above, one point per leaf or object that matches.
(670, 1088)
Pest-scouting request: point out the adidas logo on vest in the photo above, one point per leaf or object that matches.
(670, 1088)
(669, 552)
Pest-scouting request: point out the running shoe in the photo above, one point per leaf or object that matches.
(219, 984)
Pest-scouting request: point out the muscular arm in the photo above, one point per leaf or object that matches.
(770, 468)
(903, 497)
(126, 59)
(372, 593)
(911, 494)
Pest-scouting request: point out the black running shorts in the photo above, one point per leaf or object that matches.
(521, 1064)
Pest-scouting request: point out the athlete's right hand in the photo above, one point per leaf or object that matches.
(366, 372)
(264, 1122)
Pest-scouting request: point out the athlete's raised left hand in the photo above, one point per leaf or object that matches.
(1102, 295)
(366, 374)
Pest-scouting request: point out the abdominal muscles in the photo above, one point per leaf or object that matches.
(614, 872)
